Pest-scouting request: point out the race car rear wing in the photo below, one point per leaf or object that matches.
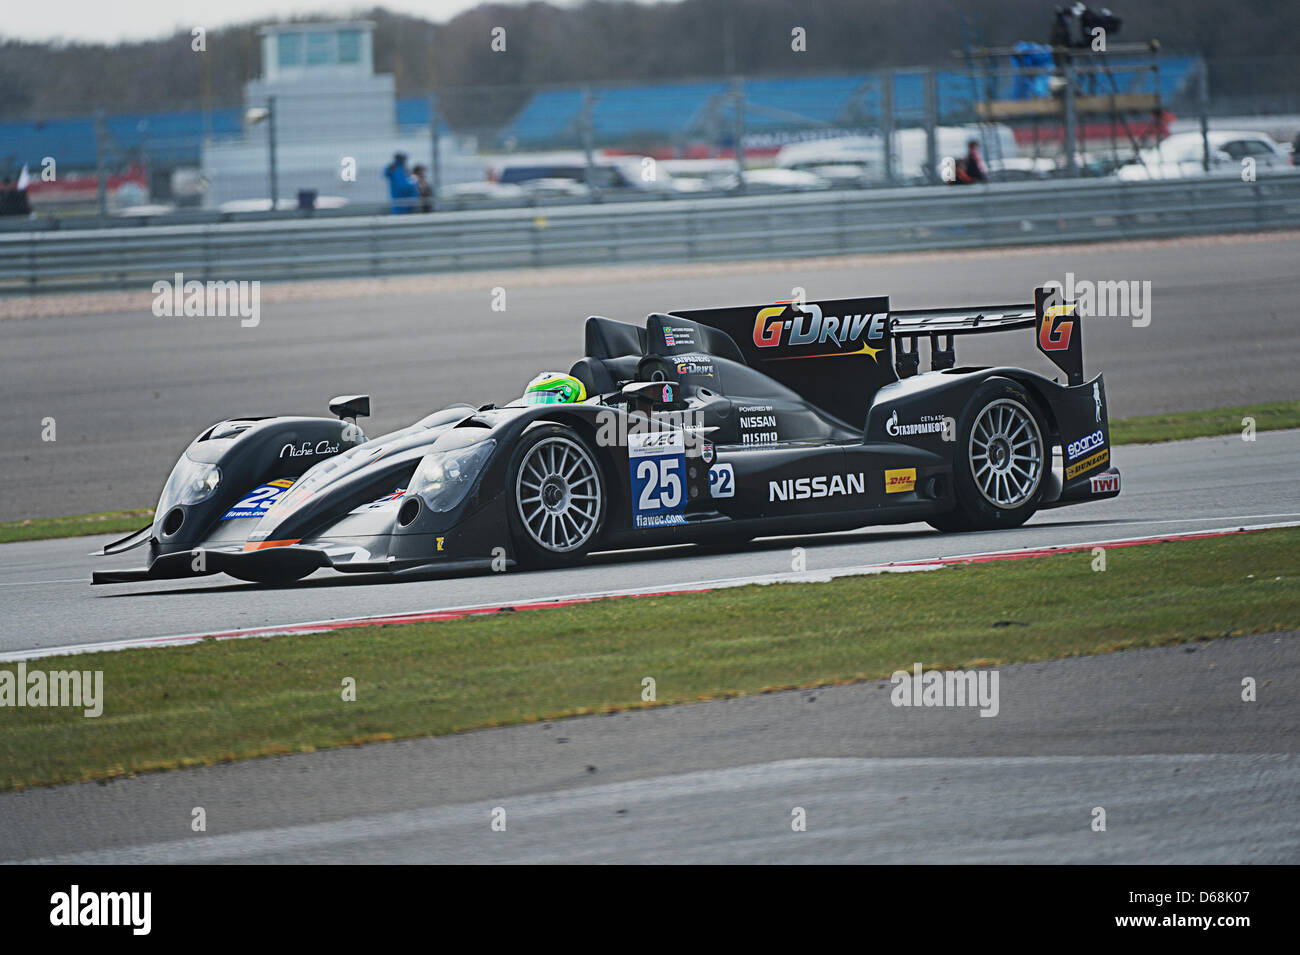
(836, 353)
(1059, 336)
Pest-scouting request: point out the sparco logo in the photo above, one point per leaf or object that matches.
(1083, 445)
(929, 424)
(822, 485)
(807, 326)
(304, 449)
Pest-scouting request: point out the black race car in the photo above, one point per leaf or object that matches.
(705, 425)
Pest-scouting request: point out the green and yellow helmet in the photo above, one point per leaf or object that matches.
(553, 388)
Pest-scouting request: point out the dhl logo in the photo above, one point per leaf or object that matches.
(898, 480)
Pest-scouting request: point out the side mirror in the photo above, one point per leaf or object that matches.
(655, 394)
(350, 406)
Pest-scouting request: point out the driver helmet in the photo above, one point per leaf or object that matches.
(552, 388)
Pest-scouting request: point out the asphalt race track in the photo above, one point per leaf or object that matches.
(128, 390)
(1159, 739)
(46, 599)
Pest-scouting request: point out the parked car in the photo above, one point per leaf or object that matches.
(1182, 156)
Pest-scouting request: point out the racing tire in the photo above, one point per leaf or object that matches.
(1001, 462)
(556, 497)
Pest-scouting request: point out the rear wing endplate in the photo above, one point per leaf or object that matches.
(1059, 333)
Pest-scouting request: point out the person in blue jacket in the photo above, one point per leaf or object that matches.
(402, 187)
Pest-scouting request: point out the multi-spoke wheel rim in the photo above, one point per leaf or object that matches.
(557, 492)
(1006, 454)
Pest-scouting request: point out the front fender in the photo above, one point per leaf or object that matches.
(248, 454)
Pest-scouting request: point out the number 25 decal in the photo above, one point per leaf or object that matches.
(1054, 334)
(660, 475)
(262, 497)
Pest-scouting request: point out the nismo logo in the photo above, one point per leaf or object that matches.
(785, 325)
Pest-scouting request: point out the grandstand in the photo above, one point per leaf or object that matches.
(649, 115)
(171, 138)
(642, 116)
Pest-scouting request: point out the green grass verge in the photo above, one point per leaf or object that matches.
(220, 701)
(1177, 426)
(78, 525)
(1141, 430)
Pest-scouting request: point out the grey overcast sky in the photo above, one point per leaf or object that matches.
(108, 21)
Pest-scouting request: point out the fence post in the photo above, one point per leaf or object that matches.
(887, 121)
(931, 121)
(1067, 70)
(270, 129)
(1203, 102)
(101, 188)
(738, 104)
(435, 170)
(588, 135)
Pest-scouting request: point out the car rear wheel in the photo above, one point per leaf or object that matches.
(1001, 461)
(557, 497)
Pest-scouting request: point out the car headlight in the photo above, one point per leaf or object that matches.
(445, 477)
(191, 482)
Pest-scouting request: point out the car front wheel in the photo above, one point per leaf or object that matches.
(557, 494)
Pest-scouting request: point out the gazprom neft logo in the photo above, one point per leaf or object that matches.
(820, 485)
(75, 688)
(75, 907)
(946, 688)
(928, 424)
(211, 299)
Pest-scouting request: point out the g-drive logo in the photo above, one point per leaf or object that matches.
(75, 907)
(790, 325)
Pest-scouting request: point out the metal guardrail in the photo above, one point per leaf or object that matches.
(803, 224)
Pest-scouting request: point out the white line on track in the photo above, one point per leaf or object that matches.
(32, 583)
(828, 538)
(819, 576)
